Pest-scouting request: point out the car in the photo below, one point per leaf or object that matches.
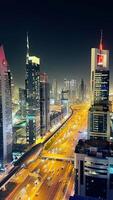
(37, 194)
(49, 184)
(49, 178)
(36, 182)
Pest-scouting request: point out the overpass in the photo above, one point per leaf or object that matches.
(58, 158)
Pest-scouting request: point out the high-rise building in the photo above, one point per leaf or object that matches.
(71, 87)
(5, 111)
(55, 90)
(66, 84)
(72, 92)
(99, 116)
(32, 86)
(94, 157)
(94, 169)
(22, 102)
(82, 91)
(44, 103)
(65, 100)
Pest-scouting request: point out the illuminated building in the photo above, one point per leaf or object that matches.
(32, 86)
(5, 111)
(71, 87)
(55, 90)
(65, 100)
(66, 84)
(82, 91)
(72, 92)
(94, 169)
(99, 115)
(22, 102)
(94, 157)
(44, 103)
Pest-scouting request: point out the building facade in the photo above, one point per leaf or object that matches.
(5, 111)
(22, 102)
(99, 115)
(44, 103)
(55, 90)
(94, 169)
(32, 86)
(65, 100)
(94, 157)
(82, 91)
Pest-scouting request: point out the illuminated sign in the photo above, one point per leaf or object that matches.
(100, 59)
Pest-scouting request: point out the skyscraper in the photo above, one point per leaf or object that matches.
(5, 111)
(71, 87)
(55, 90)
(65, 100)
(22, 102)
(82, 91)
(44, 103)
(94, 157)
(32, 86)
(99, 116)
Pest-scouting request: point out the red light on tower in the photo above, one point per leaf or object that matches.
(101, 46)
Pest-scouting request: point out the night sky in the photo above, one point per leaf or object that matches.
(61, 33)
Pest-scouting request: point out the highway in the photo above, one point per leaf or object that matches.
(48, 178)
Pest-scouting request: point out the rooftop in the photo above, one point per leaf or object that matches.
(35, 60)
(96, 148)
(77, 197)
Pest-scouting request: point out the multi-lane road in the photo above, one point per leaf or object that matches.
(51, 175)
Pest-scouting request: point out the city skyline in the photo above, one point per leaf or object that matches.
(56, 100)
(57, 34)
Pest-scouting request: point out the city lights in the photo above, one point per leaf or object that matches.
(56, 100)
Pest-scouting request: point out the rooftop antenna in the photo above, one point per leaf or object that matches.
(101, 40)
(27, 55)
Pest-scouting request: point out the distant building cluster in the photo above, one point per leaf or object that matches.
(26, 114)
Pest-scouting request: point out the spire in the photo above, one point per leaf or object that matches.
(101, 37)
(27, 55)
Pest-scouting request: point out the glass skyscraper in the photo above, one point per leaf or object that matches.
(44, 104)
(5, 111)
(32, 86)
(99, 116)
(94, 157)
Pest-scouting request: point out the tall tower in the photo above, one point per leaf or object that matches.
(5, 111)
(82, 91)
(99, 116)
(22, 102)
(93, 157)
(44, 103)
(32, 86)
(55, 90)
